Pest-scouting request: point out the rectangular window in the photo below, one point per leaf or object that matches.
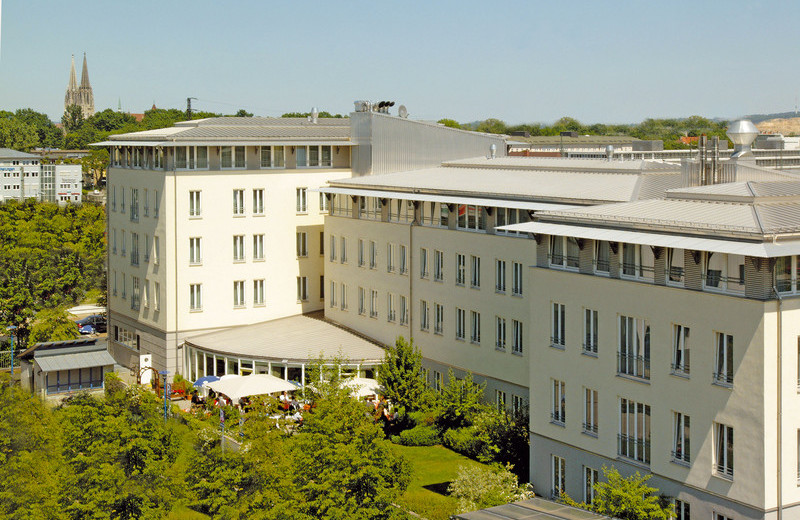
(343, 299)
(424, 323)
(423, 266)
(634, 347)
(475, 272)
(238, 202)
(134, 248)
(362, 297)
(373, 304)
(124, 287)
(500, 400)
(146, 248)
(302, 289)
(590, 411)
(723, 450)
(156, 250)
(602, 257)
(258, 292)
(195, 251)
(272, 157)
(590, 479)
(238, 293)
(558, 412)
(590, 331)
(196, 297)
(124, 243)
(634, 431)
(461, 266)
(558, 326)
(302, 200)
(461, 324)
(134, 207)
(500, 276)
(343, 252)
(680, 350)
(438, 265)
(360, 253)
(475, 327)
(500, 333)
(675, 266)
(258, 201)
(516, 339)
(683, 511)
(195, 204)
(723, 360)
(301, 239)
(322, 287)
(471, 217)
(681, 449)
(321, 243)
(238, 248)
(559, 478)
(437, 381)
(156, 203)
(438, 318)
(518, 405)
(135, 293)
(403, 261)
(391, 314)
(258, 247)
(323, 203)
(146, 293)
(516, 279)
(332, 249)
(390, 250)
(403, 310)
(156, 296)
(332, 295)
(373, 254)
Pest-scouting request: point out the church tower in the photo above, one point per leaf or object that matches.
(80, 95)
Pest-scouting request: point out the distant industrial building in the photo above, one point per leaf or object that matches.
(24, 177)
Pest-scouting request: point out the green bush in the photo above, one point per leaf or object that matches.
(464, 440)
(419, 436)
(423, 417)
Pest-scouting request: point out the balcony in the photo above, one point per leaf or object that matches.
(634, 366)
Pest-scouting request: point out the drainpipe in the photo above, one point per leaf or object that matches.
(780, 402)
(411, 275)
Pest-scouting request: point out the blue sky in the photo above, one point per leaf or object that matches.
(524, 61)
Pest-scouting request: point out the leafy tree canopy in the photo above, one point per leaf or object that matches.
(402, 377)
(53, 325)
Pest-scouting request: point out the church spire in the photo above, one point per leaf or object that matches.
(84, 73)
(73, 81)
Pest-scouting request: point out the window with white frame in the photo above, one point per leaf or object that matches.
(373, 304)
(323, 203)
(238, 248)
(723, 450)
(156, 203)
(360, 252)
(720, 516)
(475, 271)
(301, 244)
(683, 511)
(369, 208)
(134, 248)
(558, 410)
(362, 301)
(390, 252)
(315, 156)
(602, 257)
(301, 195)
(423, 263)
(195, 251)
(195, 297)
(258, 201)
(461, 324)
(146, 293)
(519, 405)
(272, 157)
(590, 331)
(634, 347)
(403, 260)
(500, 333)
(438, 265)
(403, 310)
(433, 214)
(471, 217)
(124, 244)
(332, 295)
(680, 350)
(124, 287)
(424, 315)
(238, 203)
(258, 292)
(156, 296)
(590, 479)
(322, 287)
(723, 272)
(516, 279)
(343, 250)
(634, 431)
(438, 318)
(516, 337)
(637, 261)
(723, 359)
(507, 217)
(156, 250)
(675, 266)
(564, 252)
(135, 293)
(391, 313)
(500, 276)
(343, 296)
(232, 157)
(122, 199)
(401, 210)
(114, 241)
(302, 289)
(681, 448)
(332, 249)
(134, 207)
(500, 400)
(238, 293)
(191, 157)
(461, 268)
(475, 327)
(437, 381)
(590, 411)
(558, 325)
(147, 248)
(559, 480)
(258, 247)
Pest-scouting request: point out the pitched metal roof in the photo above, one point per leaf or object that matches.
(8, 153)
(531, 509)
(296, 338)
(638, 166)
(72, 361)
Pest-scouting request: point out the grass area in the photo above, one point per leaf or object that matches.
(433, 467)
(181, 512)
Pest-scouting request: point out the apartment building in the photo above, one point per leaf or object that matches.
(214, 224)
(24, 177)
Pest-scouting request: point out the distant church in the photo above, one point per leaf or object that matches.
(80, 95)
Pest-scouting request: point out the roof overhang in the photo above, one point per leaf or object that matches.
(714, 245)
(249, 142)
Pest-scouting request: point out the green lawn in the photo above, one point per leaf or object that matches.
(435, 467)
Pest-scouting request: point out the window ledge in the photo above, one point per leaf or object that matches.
(680, 374)
(635, 379)
(259, 305)
(500, 349)
(195, 217)
(679, 462)
(195, 310)
(516, 295)
(558, 423)
(589, 353)
(239, 216)
(498, 291)
(474, 342)
(195, 264)
(259, 260)
(634, 462)
(724, 478)
(590, 434)
(517, 353)
(558, 346)
(720, 384)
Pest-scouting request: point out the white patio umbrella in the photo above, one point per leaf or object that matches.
(254, 384)
(363, 387)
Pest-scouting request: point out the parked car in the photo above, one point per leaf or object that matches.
(87, 329)
(98, 321)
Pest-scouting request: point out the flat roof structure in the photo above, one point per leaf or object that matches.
(531, 509)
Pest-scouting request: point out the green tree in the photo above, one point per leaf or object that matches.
(95, 164)
(109, 120)
(460, 402)
(72, 119)
(492, 126)
(50, 136)
(52, 325)
(402, 377)
(243, 113)
(17, 135)
(451, 123)
(307, 114)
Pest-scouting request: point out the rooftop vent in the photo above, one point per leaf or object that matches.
(314, 115)
(742, 133)
(609, 152)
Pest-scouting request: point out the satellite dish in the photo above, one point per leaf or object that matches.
(402, 111)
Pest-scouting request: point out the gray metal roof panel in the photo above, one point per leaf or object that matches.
(51, 363)
(8, 153)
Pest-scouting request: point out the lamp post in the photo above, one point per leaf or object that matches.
(164, 376)
(12, 328)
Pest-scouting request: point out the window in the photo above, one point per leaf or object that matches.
(134, 207)
(634, 431)
(134, 248)
(424, 323)
(590, 331)
(558, 412)
(122, 201)
(723, 450)
(360, 253)
(369, 208)
(680, 350)
(114, 241)
(403, 310)
(516, 279)
(302, 244)
(516, 338)
(438, 318)
(124, 240)
(518, 405)
(373, 304)
(559, 479)
(590, 478)
(135, 293)
(602, 257)
(302, 289)
(683, 512)
(113, 198)
(232, 157)
(634, 347)
(322, 287)
(403, 261)
(258, 247)
(438, 265)
(146, 293)
(258, 201)
(437, 381)
(343, 299)
(723, 360)
(461, 324)
(195, 251)
(258, 292)
(238, 293)
(146, 247)
(332, 293)
(313, 156)
(500, 276)
(675, 266)
(558, 245)
(196, 297)
(302, 200)
(725, 272)
(156, 296)
(373, 254)
(507, 217)
(500, 333)
(124, 287)
(475, 327)
(681, 450)
(332, 249)
(238, 202)
(323, 203)
(590, 412)
(475, 272)
(631, 260)
(391, 314)
(156, 203)
(720, 516)
(321, 243)
(272, 157)
(423, 263)
(191, 157)
(471, 217)
(558, 326)
(156, 250)
(238, 248)
(362, 309)
(390, 250)
(461, 266)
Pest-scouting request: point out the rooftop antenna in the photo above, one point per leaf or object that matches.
(189, 107)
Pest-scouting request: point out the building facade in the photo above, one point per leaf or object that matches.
(24, 177)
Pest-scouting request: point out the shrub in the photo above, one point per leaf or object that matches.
(419, 436)
(479, 488)
(423, 417)
(464, 440)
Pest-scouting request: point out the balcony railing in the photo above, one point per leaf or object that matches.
(636, 366)
(590, 428)
(590, 347)
(633, 448)
(679, 368)
(680, 456)
(557, 342)
(722, 378)
(558, 417)
(724, 471)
